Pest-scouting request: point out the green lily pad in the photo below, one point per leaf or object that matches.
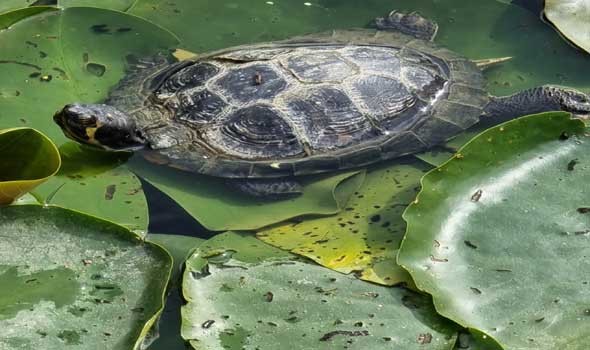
(9, 18)
(210, 202)
(179, 248)
(570, 19)
(44, 65)
(364, 237)
(498, 236)
(116, 5)
(27, 159)
(76, 281)
(238, 300)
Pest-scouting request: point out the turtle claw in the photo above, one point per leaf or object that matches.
(413, 24)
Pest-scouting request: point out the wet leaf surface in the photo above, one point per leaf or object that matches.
(84, 282)
(27, 159)
(498, 239)
(364, 237)
(243, 293)
(570, 18)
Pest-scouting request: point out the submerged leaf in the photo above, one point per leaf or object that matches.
(238, 300)
(498, 238)
(27, 159)
(74, 281)
(365, 236)
(217, 208)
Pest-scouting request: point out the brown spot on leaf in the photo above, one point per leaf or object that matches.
(424, 338)
(110, 192)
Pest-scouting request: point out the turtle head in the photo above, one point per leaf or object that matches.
(100, 126)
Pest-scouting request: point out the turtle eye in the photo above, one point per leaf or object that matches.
(86, 120)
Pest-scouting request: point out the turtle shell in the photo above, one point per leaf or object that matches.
(308, 105)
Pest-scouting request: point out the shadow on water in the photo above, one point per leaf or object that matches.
(167, 217)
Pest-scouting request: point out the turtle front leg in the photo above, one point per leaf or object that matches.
(273, 188)
(412, 24)
(536, 100)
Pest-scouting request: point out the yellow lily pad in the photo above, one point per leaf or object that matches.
(27, 159)
(364, 237)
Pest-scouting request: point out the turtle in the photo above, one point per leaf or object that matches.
(262, 115)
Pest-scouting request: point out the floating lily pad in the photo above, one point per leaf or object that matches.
(27, 159)
(117, 5)
(238, 300)
(74, 281)
(11, 17)
(179, 248)
(365, 236)
(499, 236)
(570, 18)
(210, 202)
(42, 68)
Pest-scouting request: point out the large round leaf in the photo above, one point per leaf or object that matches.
(244, 294)
(27, 159)
(365, 236)
(570, 18)
(499, 234)
(78, 54)
(73, 281)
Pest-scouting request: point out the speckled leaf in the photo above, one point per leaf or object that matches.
(44, 65)
(236, 300)
(499, 236)
(217, 208)
(27, 159)
(73, 281)
(570, 18)
(365, 236)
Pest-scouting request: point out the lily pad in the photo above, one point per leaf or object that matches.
(236, 300)
(76, 281)
(364, 237)
(117, 5)
(11, 17)
(43, 67)
(179, 248)
(570, 18)
(210, 202)
(499, 235)
(27, 159)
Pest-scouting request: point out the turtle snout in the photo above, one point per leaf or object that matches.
(75, 114)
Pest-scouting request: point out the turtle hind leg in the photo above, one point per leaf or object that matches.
(536, 100)
(412, 24)
(274, 188)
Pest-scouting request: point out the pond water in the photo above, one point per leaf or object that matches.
(47, 60)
